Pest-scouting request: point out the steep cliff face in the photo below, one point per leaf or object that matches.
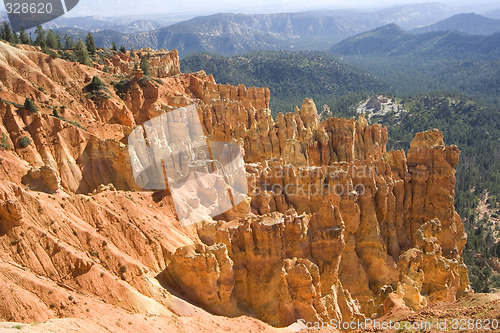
(332, 224)
(381, 201)
(163, 63)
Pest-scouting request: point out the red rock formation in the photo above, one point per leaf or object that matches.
(281, 267)
(333, 223)
(163, 63)
(372, 190)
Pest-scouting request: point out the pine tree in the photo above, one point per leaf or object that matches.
(82, 54)
(7, 32)
(15, 38)
(90, 44)
(59, 45)
(40, 36)
(51, 40)
(113, 47)
(146, 69)
(69, 44)
(24, 37)
(123, 50)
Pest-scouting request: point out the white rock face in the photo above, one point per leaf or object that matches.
(380, 106)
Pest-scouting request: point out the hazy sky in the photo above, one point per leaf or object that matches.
(200, 7)
(119, 7)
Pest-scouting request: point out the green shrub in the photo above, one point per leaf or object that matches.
(50, 52)
(96, 84)
(121, 87)
(4, 141)
(492, 201)
(24, 141)
(30, 105)
(67, 56)
(97, 89)
(75, 123)
(143, 81)
(82, 54)
(56, 114)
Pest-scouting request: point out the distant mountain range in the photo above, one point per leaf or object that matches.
(230, 34)
(391, 40)
(469, 23)
(235, 34)
(123, 24)
(97, 23)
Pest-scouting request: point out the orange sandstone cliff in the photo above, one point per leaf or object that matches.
(332, 227)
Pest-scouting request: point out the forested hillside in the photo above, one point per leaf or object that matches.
(291, 77)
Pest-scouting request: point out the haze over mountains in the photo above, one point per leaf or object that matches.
(470, 23)
(229, 34)
(232, 34)
(96, 23)
(391, 40)
(493, 13)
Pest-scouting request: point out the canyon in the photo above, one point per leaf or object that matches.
(334, 226)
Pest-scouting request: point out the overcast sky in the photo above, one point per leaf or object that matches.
(206, 7)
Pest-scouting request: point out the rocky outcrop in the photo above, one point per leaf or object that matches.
(297, 138)
(426, 276)
(432, 166)
(43, 179)
(163, 63)
(280, 267)
(10, 210)
(209, 267)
